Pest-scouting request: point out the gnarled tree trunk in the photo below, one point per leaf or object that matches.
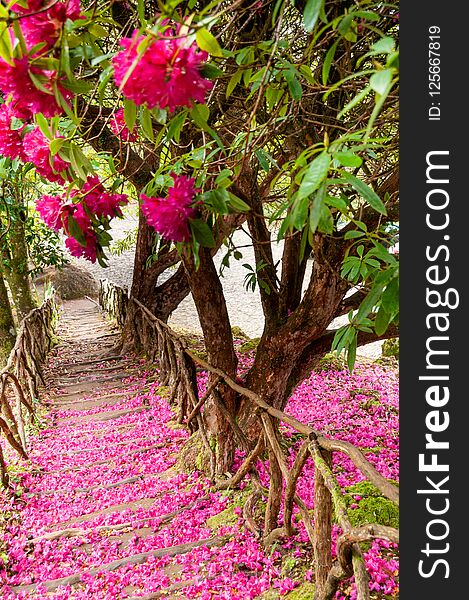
(208, 296)
(7, 325)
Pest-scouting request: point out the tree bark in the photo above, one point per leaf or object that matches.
(17, 270)
(208, 296)
(7, 324)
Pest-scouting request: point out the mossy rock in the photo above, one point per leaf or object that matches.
(330, 362)
(373, 507)
(390, 347)
(71, 282)
(249, 345)
(192, 455)
(238, 333)
(390, 362)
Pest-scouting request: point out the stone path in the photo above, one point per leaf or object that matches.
(102, 515)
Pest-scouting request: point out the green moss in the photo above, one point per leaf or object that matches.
(373, 507)
(223, 519)
(163, 390)
(330, 362)
(228, 516)
(303, 592)
(192, 455)
(250, 345)
(239, 333)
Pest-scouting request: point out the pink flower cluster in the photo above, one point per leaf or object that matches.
(16, 82)
(36, 150)
(11, 143)
(95, 201)
(119, 127)
(167, 73)
(170, 215)
(32, 147)
(42, 21)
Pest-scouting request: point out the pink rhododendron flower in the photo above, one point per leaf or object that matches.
(39, 25)
(119, 127)
(99, 201)
(36, 149)
(169, 216)
(11, 144)
(166, 75)
(15, 81)
(89, 251)
(51, 210)
(95, 200)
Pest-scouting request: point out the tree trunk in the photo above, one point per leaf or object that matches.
(17, 271)
(208, 296)
(7, 325)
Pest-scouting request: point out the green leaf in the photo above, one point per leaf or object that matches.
(219, 200)
(210, 71)
(104, 79)
(233, 82)
(206, 41)
(299, 213)
(390, 299)
(130, 113)
(317, 207)
(146, 123)
(295, 88)
(380, 80)
(311, 13)
(6, 51)
(223, 177)
(352, 352)
(366, 192)
(326, 66)
(338, 203)
(348, 159)
(98, 30)
(353, 234)
(76, 157)
(175, 126)
(382, 320)
(237, 204)
(43, 125)
(262, 159)
(200, 114)
(202, 233)
(141, 12)
(314, 175)
(354, 101)
(75, 231)
(384, 45)
(55, 145)
(371, 299)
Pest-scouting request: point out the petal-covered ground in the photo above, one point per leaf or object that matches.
(103, 486)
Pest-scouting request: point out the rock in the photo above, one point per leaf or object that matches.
(391, 348)
(71, 282)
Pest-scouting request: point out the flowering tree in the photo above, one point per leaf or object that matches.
(280, 115)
